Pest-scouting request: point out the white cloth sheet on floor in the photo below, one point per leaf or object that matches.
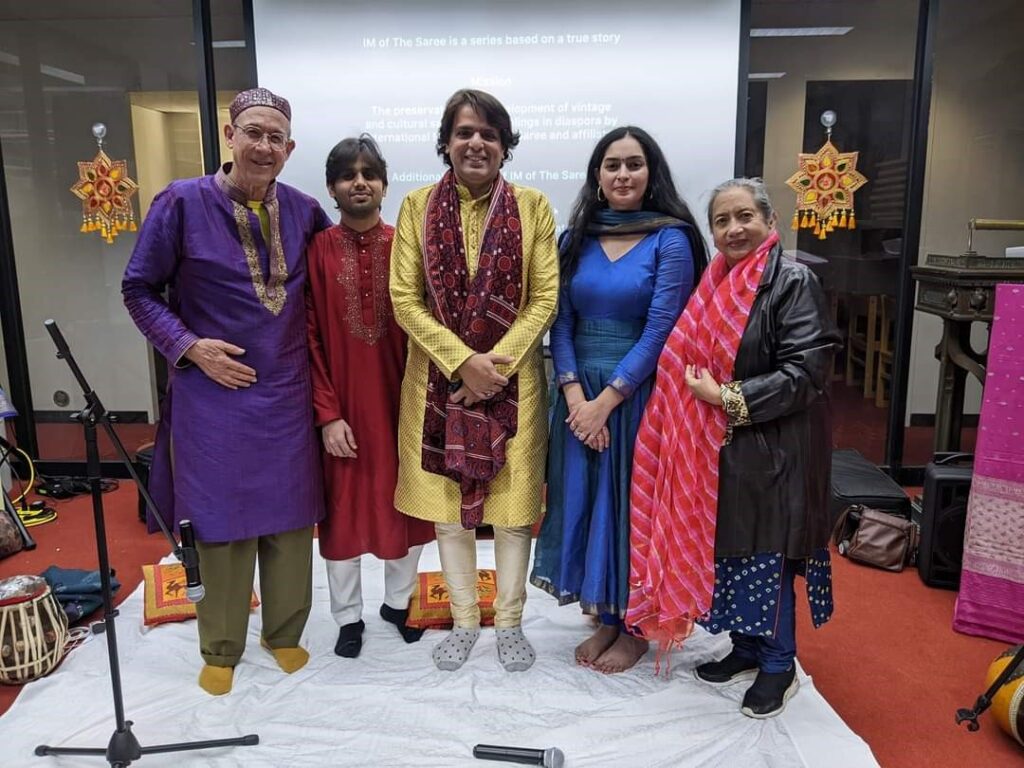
(391, 707)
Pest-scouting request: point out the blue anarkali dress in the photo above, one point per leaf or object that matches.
(613, 320)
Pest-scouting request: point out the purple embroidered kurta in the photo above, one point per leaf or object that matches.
(246, 461)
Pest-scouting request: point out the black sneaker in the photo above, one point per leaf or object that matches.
(350, 640)
(728, 670)
(768, 695)
(398, 618)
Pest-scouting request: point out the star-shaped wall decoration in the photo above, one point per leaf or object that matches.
(824, 186)
(105, 190)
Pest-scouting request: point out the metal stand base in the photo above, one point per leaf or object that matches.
(124, 747)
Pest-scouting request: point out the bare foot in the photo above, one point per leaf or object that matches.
(590, 649)
(626, 651)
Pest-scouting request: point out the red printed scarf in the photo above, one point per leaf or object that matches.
(468, 443)
(674, 495)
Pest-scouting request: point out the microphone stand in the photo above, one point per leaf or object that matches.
(123, 747)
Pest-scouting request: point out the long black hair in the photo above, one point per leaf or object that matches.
(661, 196)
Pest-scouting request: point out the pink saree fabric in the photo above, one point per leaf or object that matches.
(991, 599)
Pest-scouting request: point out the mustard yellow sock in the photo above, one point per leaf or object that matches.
(216, 681)
(288, 659)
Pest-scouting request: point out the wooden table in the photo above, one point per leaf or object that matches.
(960, 290)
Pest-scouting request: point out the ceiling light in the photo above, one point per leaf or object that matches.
(765, 75)
(62, 74)
(46, 69)
(799, 31)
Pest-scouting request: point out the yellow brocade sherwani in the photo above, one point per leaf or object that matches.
(514, 498)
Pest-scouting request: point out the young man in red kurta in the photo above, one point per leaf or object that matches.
(358, 359)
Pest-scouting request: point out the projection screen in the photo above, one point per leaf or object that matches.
(567, 72)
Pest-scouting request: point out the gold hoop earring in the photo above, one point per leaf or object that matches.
(600, 193)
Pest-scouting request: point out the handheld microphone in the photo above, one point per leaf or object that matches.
(194, 589)
(549, 758)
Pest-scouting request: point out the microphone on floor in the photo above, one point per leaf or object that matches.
(194, 589)
(549, 758)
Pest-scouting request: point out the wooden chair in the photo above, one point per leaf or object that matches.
(886, 343)
(862, 339)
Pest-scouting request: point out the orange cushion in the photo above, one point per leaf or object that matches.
(165, 594)
(429, 606)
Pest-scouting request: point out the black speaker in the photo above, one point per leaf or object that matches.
(947, 485)
(143, 464)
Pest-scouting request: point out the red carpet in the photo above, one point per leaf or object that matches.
(888, 662)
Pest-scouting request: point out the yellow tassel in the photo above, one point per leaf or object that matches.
(85, 227)
(795, 224)
(817, 228)
(823, 233)
(132, 227)
(851, 222)
(803, 221)
(842, 221)
(830, 226)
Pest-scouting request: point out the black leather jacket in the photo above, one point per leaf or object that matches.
(773, 492)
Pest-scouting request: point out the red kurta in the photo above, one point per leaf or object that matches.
(357, 355)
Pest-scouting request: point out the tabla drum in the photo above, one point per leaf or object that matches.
(33, 629)
(1008, 701)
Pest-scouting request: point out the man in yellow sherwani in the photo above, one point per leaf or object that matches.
(474, 282)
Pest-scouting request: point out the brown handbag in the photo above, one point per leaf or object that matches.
(876, 538)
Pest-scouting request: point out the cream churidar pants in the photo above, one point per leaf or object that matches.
(457, 547)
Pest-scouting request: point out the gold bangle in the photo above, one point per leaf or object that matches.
(734, 404)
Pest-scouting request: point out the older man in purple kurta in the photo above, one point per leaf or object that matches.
(237, 423)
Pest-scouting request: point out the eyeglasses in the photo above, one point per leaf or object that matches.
(277, 141)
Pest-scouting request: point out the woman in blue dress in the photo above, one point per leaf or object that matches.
(629, 259)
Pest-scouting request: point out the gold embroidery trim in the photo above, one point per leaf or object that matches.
(735, 406)
(271, 294)
(278, 265)
(349, 280)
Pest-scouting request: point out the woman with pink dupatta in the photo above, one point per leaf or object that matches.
(731, 471)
